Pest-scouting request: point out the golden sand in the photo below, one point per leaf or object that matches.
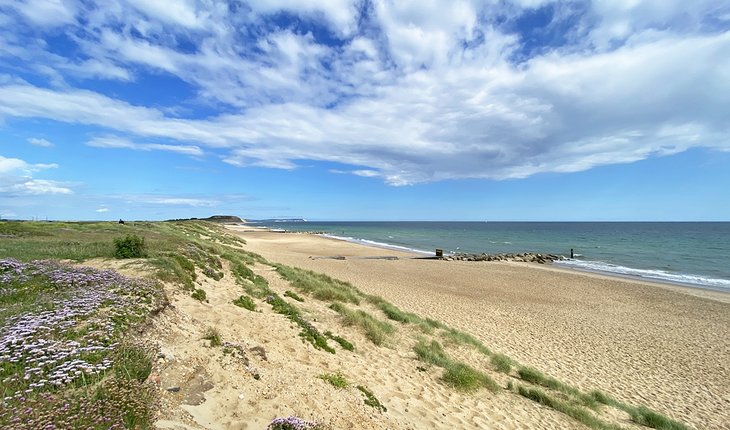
(661, 346)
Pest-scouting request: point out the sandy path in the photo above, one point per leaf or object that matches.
(665, 347)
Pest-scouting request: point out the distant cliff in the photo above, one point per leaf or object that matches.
(223, 219)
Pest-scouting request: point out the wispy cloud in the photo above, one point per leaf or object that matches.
(102, 210)
(116, 142)
(40, 142)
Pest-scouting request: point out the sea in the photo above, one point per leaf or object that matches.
(688, 253)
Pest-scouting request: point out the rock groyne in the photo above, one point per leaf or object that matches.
(525, 257)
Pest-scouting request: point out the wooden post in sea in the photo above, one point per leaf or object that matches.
(439, 253)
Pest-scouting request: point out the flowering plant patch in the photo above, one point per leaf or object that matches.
(60, 324)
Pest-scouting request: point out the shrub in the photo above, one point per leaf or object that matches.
(199, 294)
(129, 246)
(245, 302)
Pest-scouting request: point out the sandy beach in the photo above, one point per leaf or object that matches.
(666, 347)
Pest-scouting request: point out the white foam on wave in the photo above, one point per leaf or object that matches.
(658, 275)
(375, 244)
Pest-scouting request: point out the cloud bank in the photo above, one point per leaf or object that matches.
(407, 92)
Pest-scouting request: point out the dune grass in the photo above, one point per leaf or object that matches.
(293, 295)
(457, 374)
(371, 400)
(375, 330)
(337, 380)
(501, 363)
(245, 302)
(646, 417)
(577, 412)
(463, 338)
(318, 285)
(536, 377)
(340, 340)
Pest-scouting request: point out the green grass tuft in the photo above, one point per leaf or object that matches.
(501, 363)
(371, 400)
(133, 362)
(577, 412)
(199, 294)
(319, 286)
(463, 338)
(457, 374)
(340, 340)
(293, 295)
(214, 336)
(646, 417)
(337, 380)
(245, 302)
(375, 330)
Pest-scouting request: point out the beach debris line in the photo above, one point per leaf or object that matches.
(524, 257)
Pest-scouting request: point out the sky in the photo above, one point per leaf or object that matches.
(604, 110)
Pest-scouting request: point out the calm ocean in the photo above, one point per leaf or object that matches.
(682, 252)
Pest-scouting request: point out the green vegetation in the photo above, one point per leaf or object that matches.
(371, 400)
(536, 377)
(133, 362)
(501, 363)
(129, 246)
(456, 374)
(214, 336)
(649, 418)
(579, 413)
(463, 338)
(319, 286)
(337, 380)
(309, 333)
(245, 302)
(199, 294)
(340, 340)
(375, 330)
(392, 312)
(293, 295)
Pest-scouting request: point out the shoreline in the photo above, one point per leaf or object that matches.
(705, 291)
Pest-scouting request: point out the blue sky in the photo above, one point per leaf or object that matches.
(365, 110)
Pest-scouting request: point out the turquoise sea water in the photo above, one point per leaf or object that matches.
(682, 252)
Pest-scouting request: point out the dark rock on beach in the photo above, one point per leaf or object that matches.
(525, 257)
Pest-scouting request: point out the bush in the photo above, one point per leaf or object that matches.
(130, 246)
(245, 302)
(200, 295)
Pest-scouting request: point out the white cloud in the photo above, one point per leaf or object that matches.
(40, 187)
(40, 142)
(117, 142)
(16, 179)
(415, 91)
(179, 201)
(45, 12)
(102, 210)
